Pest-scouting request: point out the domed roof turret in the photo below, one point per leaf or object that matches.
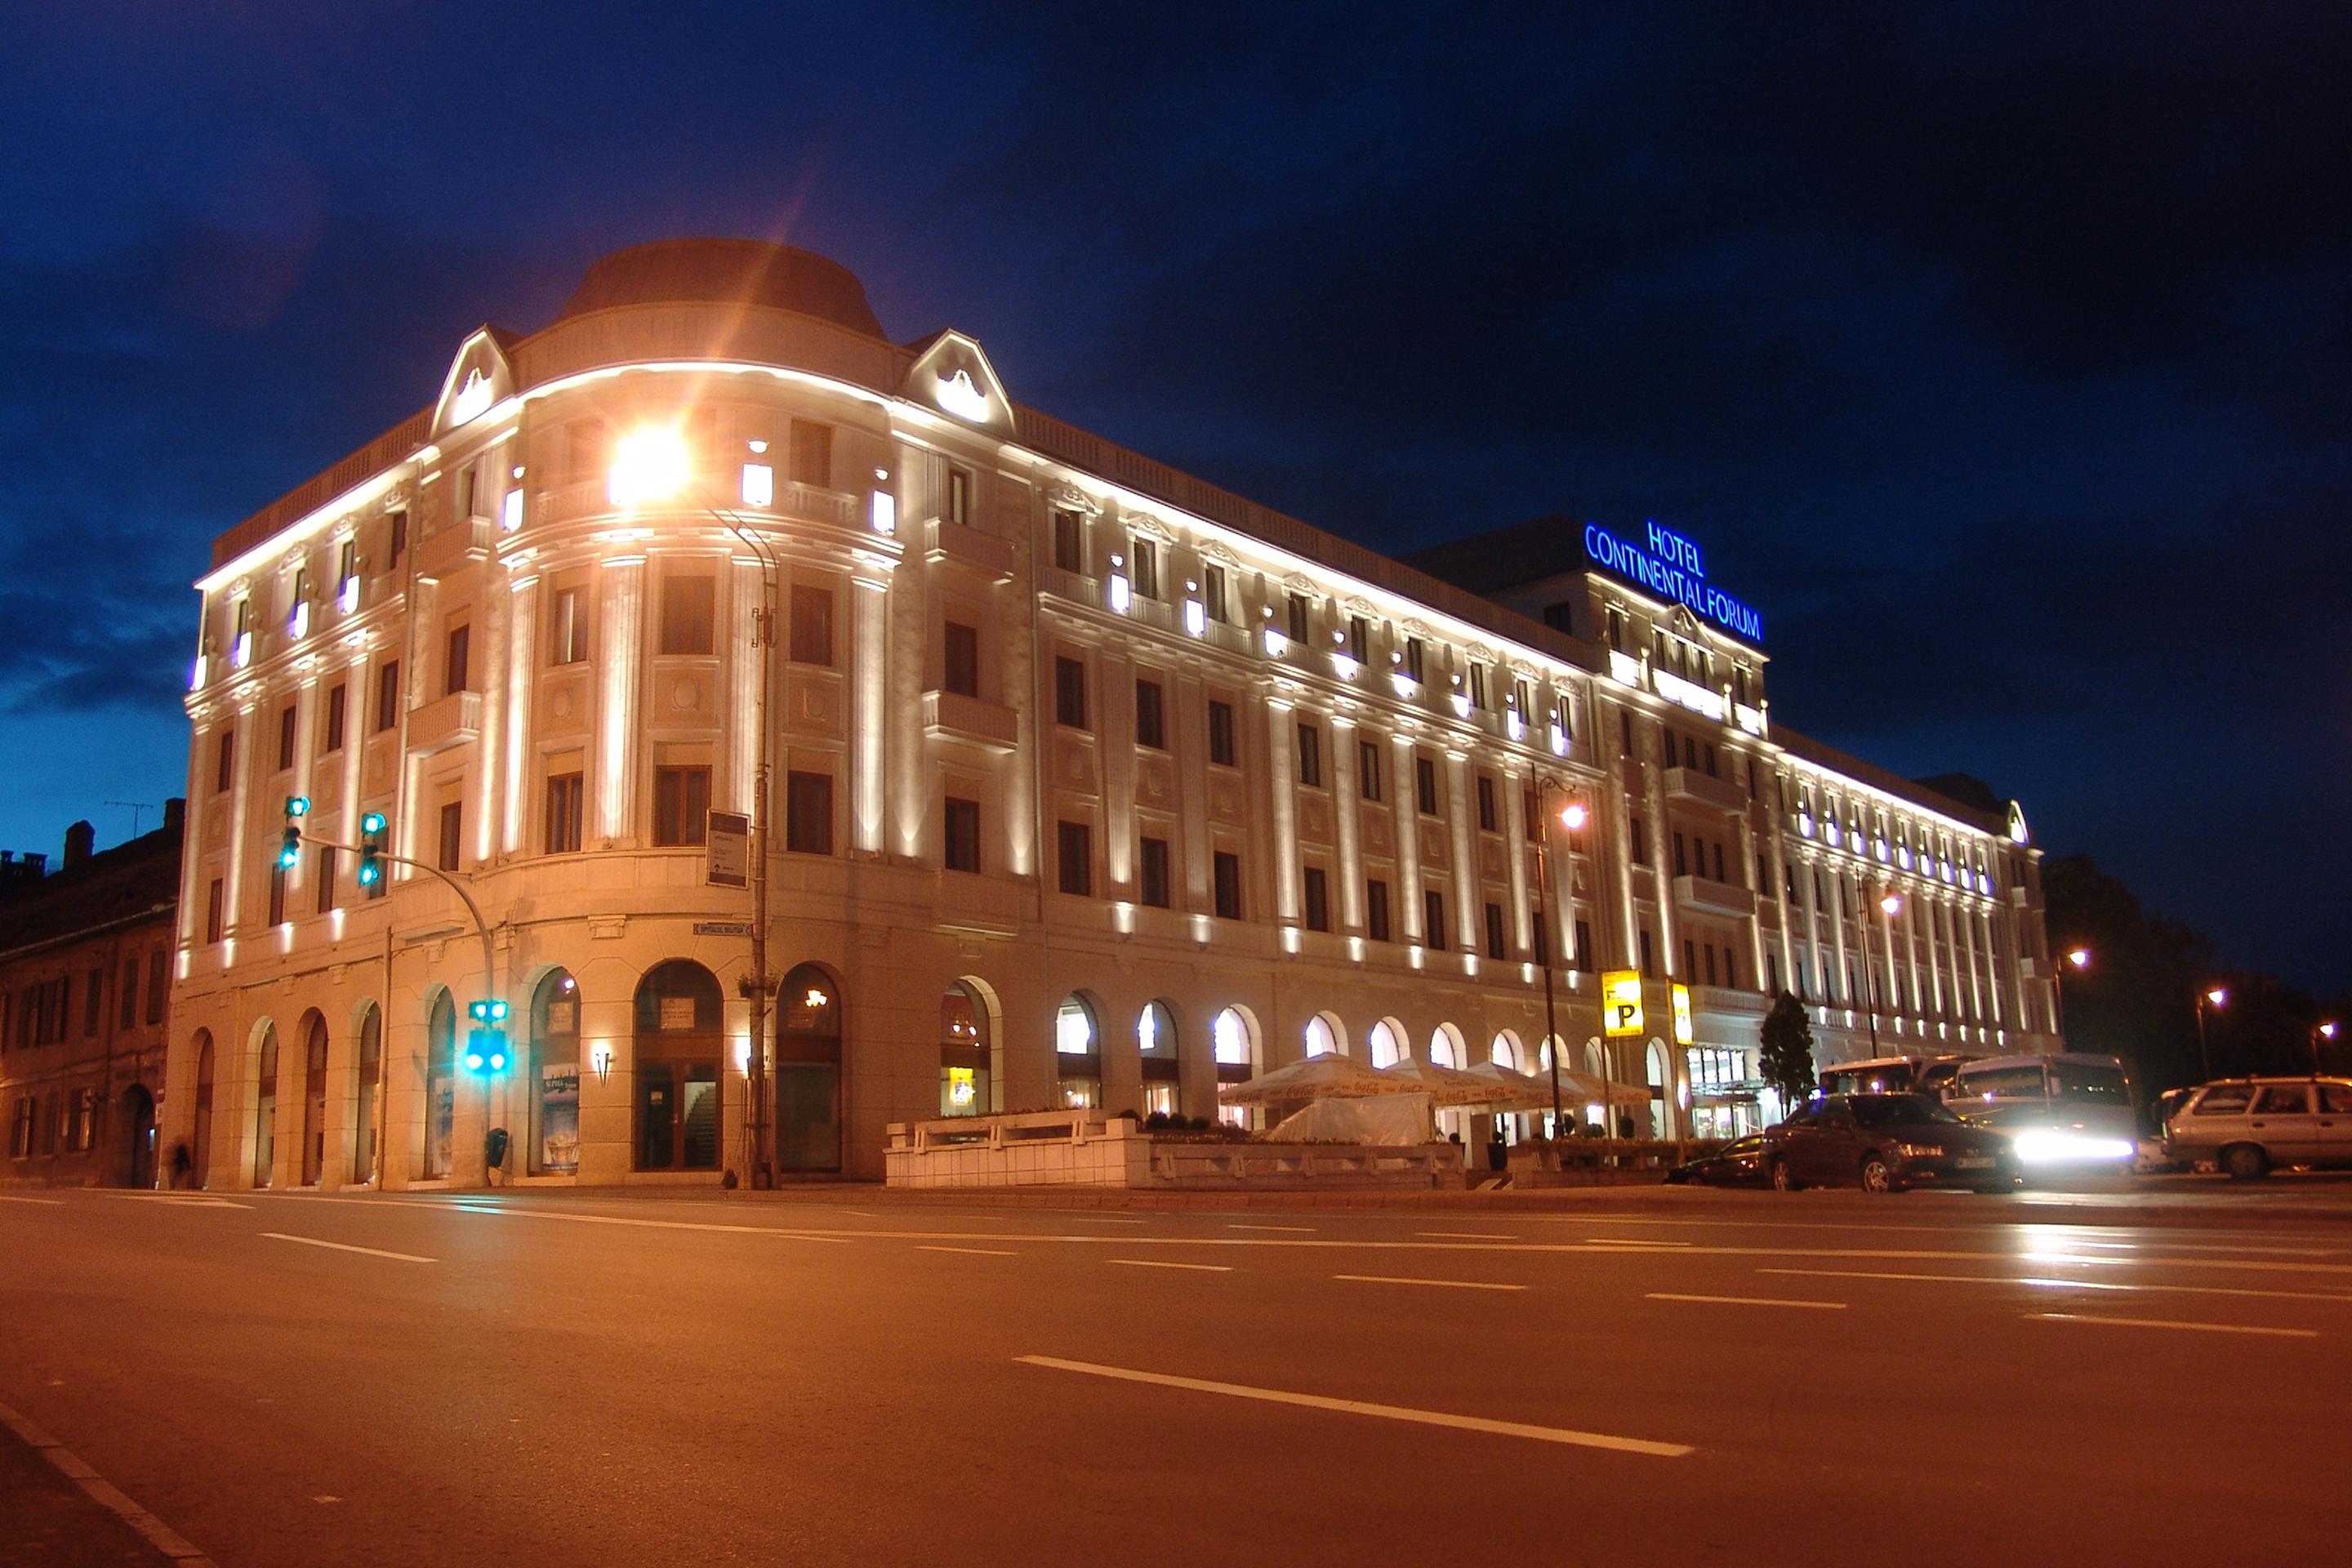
(727, 271)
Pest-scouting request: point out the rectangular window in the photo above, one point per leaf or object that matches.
(1310, 756)
(962, 659)
(568, 629)
(1477, 685)
(1069, 540)
(285, 716)
(1649, 966)
(1143, 570)
(93, 1001)
(158, 985)
(1318, 901)
(583, 450)
(1070, 693)
(1359, 638)
(1690, 961)
(808, 813)
(1433, 919)
(1221, 733)
(1641, 845)
(455, 675)
(1413, 657)
(1425, 786)
(1624, 731)
(1227, 868)
(322, 866)
(1376, 909)
(962, 848)
(387, 697)
(688, 611)
(959, 497)
(1731, 973)
(1486, 817)
(1151, 716)
(1154, 869)
(396, 539)
(1297, 603)
(1213, 591)
(1074, 862)
(1530, 823)
(812, 454)
(223, 760)
(330, 738)
(453, 836)
(127, 995)
(1494, 930)
(1681, 866)
(812, 626)
(566, 794)
(214, 897)
(1710, 967)
(277, 894)
(682, 806)
(1718, 864)
(1368, 769)
(1584, 946)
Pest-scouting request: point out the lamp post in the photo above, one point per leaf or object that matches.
(653, 465)
(1573, 816)
(1890, 903)
(2324, 1031)
(2218, 998)
(2075, 958)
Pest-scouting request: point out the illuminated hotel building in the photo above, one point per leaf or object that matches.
(1090, 781)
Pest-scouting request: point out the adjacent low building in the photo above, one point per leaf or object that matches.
(86, 964)
(1091, 783)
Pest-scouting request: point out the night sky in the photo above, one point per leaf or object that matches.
(2001, 356)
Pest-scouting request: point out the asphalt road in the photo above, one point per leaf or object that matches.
(588, 1379)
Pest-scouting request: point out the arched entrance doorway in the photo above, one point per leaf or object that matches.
(367, 1106)
(264, 1109)
(1155, 1043)
(554, 1086)
(134, 1138)
(965, 1081)
(440, 1087)
(1234, 1041)
(201, 1134)
(808, 1071)
(678, 1048)
(1077, 1053)
(314, 1098)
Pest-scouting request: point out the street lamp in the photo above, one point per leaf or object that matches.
(651, 464)
(2075, 958)
(2326, 1031)
(2217, 997)
(1890, 904)
(1573, 816)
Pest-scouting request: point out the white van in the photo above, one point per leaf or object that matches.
(2067, 1108)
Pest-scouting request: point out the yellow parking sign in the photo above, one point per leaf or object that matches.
(1683, 1033)
(1621, 1003)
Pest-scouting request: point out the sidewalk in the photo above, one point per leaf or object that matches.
(49, 1522)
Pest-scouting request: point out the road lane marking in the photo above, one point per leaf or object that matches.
(1101, 1219)
(1365, 1407)
(162, 1536)
(2045, 1282)
(347, 1247)
(2174, 1323)
(1468, 1235)
(1302, 1229)
(1635, 1241)
(975, 1251)
(1449, 1284)
(1156, 1263)
(186, 1200)
(1748, 1300)
(787, 1233)
(46, 1202)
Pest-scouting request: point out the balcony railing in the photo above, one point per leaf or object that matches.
(447, 721)
(989, 724)
(1717, 898)
(1702, 789)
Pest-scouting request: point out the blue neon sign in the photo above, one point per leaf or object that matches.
(1670, 568)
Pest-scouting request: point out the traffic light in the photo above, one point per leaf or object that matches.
(370, 872)
(290, 850)
(486, 1042)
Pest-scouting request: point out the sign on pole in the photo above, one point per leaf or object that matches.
(1621, 1003)
(729, 841)
(1683, 1032)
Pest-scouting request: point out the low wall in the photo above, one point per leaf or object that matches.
(1085, 1148)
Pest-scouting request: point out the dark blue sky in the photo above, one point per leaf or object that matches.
(1998, 354)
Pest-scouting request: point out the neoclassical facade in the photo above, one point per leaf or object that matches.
(1088, 782)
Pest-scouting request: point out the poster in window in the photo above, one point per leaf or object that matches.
(564, 1015)
(678, 1012)
(559, 1116)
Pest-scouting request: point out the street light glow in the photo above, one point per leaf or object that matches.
(2218, 996)
(648, 465)
(1572, 815)
(2327, 1030)
(2079, 957)
(1892, 903)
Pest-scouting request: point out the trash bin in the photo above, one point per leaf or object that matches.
(494, 1149)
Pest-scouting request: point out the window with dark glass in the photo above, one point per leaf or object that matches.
(1151, 716)
(1073, 858)
(330, 736)
(812, 625)
(1584, 946)
(286, 737)
(1718, 864)
(689, 612)
(962, 659)
(1432, 918)
(224, 760)
(1297, 603)
(1477, 685)
(1221, 733)
(1368, 769)
(387, 697)
(322, 866)
(453, 836)
(1213, 591)
(455, 675)
(1143, 568)
(959, 496)
(215, 907)
(568, 640)
(566, 796)
(1069, 540)
(1413, 657)
(583, 450)
(1640, 844)
(1376, 909)
(1318, 901)
(1624, 732)
(1690, 960)
(961, 852)
(1070, 693)
(1487, 812)
(1310, 756)
(1154, 873)
(396, 539)
(1226, 875)
(1359, 638)
(1425, 786)
(1648, 966)
(1681, 866)
(808, 813)
(127, 994)
(682, 806)
(812, 454)
(1494, 930)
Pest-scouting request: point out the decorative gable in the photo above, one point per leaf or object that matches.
(479, 379)
(952, 375)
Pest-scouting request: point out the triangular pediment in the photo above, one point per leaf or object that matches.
(952, 374)
(479, 379)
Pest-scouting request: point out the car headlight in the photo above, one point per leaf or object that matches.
(1920, 1150)
(2041, 1147)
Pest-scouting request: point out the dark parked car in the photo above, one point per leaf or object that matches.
(1738, 1163)
(1884, 1143)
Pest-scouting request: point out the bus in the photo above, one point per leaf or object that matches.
(2068, 1108)
(1930, 1076)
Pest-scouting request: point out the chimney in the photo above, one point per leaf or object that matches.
(175, 815)
(81, 839)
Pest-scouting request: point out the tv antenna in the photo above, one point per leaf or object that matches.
(134, 807)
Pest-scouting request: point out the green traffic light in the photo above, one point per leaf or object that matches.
(372, 823)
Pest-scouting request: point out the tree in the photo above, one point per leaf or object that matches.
(1785, 1058)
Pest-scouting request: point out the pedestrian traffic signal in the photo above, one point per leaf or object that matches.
(486, 1042)
(290, 850)
(370, 872)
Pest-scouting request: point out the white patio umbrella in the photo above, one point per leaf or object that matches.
(1511, 1090)
(1446, 1087)
(1326, 1077)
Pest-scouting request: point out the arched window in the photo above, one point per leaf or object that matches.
(809, 1027)
(1077, 1053)
(1155, 1042)
(265, 1109)
(314, 1097)
(1445, 1047)
(1323, 1036)
(440, 1085)
(677, 1050)
(1234, 1040)
(964, 1079)
(553, 1088)
(1386, 1044)
(370, 1089)
(1504, 1051)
